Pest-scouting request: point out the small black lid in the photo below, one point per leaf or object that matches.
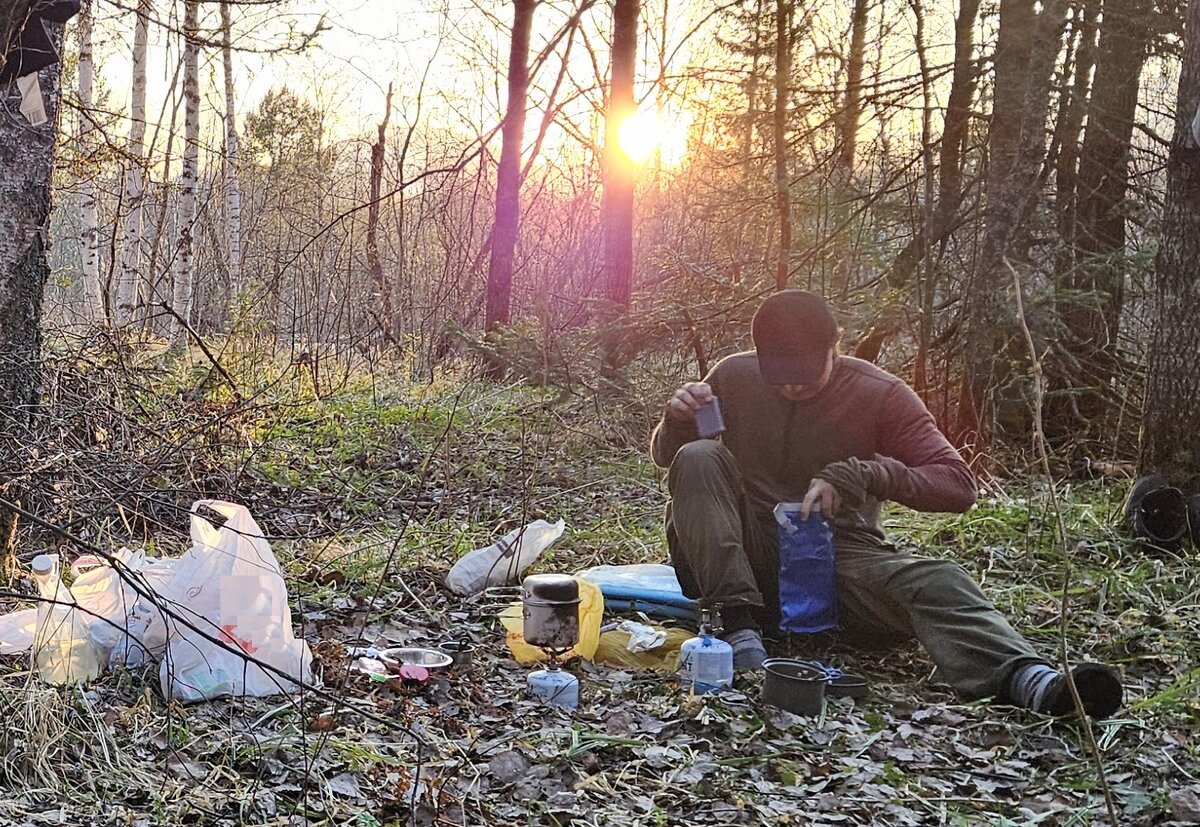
(557, 588)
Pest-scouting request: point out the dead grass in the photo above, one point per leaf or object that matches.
(337, 482)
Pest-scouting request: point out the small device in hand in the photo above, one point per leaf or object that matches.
(709, 421)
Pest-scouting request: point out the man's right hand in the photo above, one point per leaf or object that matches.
(689, 399)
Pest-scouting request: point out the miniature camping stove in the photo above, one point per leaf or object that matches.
(551, 622)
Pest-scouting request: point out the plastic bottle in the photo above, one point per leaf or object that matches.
(63, 650)
(553, 685)
(807, 571)
(705, 661)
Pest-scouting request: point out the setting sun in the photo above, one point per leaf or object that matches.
(646, 131)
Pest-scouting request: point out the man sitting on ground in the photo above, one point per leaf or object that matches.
(806, 424)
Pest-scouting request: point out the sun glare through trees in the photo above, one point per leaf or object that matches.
(646, 133)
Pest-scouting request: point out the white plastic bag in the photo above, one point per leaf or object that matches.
(228, 584)
(503, 561)
(17, 630)
(109, 601)
(642, 636)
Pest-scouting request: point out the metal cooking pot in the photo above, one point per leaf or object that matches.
(551, 611)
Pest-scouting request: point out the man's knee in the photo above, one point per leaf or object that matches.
(936, 580)
(701, 459)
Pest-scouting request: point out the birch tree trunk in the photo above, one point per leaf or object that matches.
(181, 300)
(1171, 420)
(26, 169)
(89, 232)
(508, 173)
(233, 188)
(134, 185)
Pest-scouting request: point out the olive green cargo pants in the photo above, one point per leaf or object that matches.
(721, 553)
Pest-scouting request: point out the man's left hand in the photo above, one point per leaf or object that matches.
(823, 493)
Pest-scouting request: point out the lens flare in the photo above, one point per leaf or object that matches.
(640, 134)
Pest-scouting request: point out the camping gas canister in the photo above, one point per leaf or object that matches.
(705, 661)
(555, 686)
(551, 611)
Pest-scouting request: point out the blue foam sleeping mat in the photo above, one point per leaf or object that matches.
(650, 588)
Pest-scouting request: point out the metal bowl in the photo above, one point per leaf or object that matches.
(847, 686)
(460, 652)
(416, 656)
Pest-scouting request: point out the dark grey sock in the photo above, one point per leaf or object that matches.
(1028, 684)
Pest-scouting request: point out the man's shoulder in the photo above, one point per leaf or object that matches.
(869, 375)
(737, 365)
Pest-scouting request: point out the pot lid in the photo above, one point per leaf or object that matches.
(555, 588)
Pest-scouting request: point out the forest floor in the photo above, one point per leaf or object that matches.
(370, 492)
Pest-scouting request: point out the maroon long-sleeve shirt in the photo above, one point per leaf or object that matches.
(867, 433)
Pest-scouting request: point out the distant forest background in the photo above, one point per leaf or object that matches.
(916, 162)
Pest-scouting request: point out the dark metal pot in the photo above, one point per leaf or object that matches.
(551, 611)
(460, 651)
(793, 685)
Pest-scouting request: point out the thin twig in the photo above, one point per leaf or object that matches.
(1040, 444)
(216, 363)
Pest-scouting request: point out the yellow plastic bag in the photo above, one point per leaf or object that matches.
(614, 650)
(591, 613)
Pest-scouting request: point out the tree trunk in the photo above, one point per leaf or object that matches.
(508, 173)
(617, 207)
(89, 232)
(1060, 420)
(783, 197)
(12, 21)
(1026, 48)
(184, 249)
(1103, 180)
(954, 134)
(756, 56)
(950, 178)
(387, 317)
(958, 118)
(852, 109)
(1171, 419)
(618, 168)
(233, 187)
(26, 169)
(1067, 130)
(134, 185)
(925, 278)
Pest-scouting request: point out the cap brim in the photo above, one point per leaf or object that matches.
(792, 370)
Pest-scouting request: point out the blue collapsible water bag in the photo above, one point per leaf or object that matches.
(807, 574)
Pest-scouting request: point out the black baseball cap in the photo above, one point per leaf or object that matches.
(793, 331)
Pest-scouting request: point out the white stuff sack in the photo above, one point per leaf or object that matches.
(229, 585)
(503, 561)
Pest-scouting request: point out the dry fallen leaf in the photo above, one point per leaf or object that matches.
(1185, 804)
